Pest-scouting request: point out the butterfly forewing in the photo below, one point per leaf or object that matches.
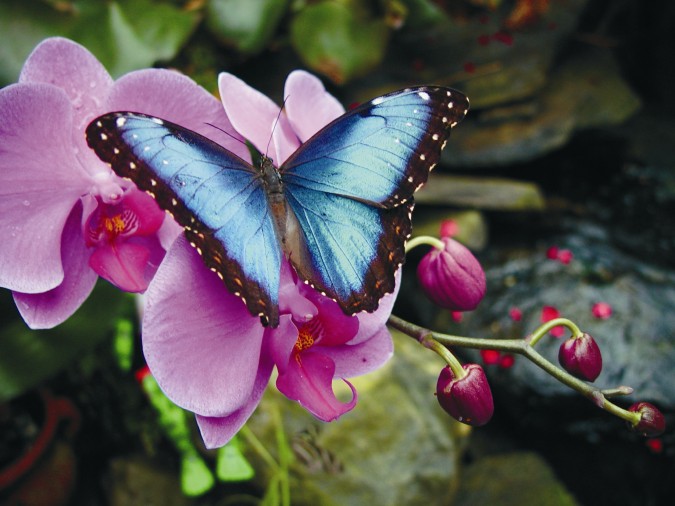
(211, 192)
(382, 151)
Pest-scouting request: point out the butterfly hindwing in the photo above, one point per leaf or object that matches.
(351, 249)
(382, 151)
(215, 195)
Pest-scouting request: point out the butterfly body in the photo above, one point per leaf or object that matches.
(339, 208)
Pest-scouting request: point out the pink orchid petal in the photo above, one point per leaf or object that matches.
(40, 182)
(200, 342)
(308, 105)
(145, 208)
(48, 309)
(284, 140)
(291, 296)
(169, 232)
(309, 380)
(282, 341)
(338, 328)
(217, 431)
(177, 98)
(251, 113)
(125, 263)
(357, 359)
(71, 67)
(370, 323)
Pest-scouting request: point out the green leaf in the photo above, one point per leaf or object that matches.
(124, 35)
(246, 25)
(338, 42)
(29, 357)
(231, 464)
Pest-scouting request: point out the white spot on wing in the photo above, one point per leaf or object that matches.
(121, 121)
(424, 95)
(377, 101)
(158, 121)
(104, 137)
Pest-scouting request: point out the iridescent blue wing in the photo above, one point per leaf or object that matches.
(351, 187)
(216, 196)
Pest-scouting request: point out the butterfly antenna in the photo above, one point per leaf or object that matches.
(276, 122)
(227, 133)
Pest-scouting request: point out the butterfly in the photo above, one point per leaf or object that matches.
(339, 208)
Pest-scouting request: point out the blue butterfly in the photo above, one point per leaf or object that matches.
(339, 208)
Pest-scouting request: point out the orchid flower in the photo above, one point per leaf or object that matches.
(207, 353)
(68, 218)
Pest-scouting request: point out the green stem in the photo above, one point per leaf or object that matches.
(259, 448)
(543, 329)
(523, 347)
(424, 239)
(455, 365)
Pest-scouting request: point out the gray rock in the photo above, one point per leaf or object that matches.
(396, 447)
(586, 91)
(637, 341)
(519, 479)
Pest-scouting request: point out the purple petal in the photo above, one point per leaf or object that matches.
(371, 323)
(308, 105)
(282, 341)
(143, 207)
(251, 113)
(40, 182)
(356, 359)
(200, 342)
(217, 431)
(336, 327)
(71, 67)
(309, 380)
(48, 309)
(127, 264)
(284, 140)
(176, 98)
(291, 295)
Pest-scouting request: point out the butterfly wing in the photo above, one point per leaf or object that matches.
(351, 186)
(216, 196)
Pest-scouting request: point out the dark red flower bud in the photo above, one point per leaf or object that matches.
(452, 277)
(581, 357)
(652, 422)
(468, 399)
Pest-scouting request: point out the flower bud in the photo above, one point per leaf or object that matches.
(452, 277)
(467, 399)
(581, 357)
(652, 422)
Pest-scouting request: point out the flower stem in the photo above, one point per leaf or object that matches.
(523, 347)
(543, 329)
(424, 239)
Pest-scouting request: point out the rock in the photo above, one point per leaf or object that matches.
(481, 193)
(396, 447)
(586, 91)
(471, 228)
(636, 340)
(518, 479)
(137, 481)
